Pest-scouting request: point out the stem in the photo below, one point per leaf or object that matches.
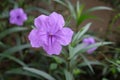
(69, 68)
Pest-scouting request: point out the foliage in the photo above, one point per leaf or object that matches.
(114, 3)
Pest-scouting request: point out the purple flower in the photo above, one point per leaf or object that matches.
(17, 16)
(88, 41)
(50, 34)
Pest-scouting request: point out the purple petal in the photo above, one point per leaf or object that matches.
(16, 21)
(53, 49)
(40, 22)
(24, 17)
(16, 11)
(37, 38)
(55, 22)
(91, 40)
(90, 51)
(64, 36)
(86, 41)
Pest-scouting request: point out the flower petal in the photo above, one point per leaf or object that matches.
(64, 36)
(53, 49)
(23, 17)
(37, 38)
(91, 40)
(40, 22)
(16, 11)
(86, 40)
(55, 22)
(13, 20)
(90, 51)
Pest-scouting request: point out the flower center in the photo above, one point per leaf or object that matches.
(18, 17)
(51, 38)
(50, 35)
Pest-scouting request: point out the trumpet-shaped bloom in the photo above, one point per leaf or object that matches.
(88, 41)
(50, 34)
(17, 16)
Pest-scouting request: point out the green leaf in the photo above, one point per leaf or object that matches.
(16, 48)
(80, 16)
(39, 72)
(83, 17)
(3, 45)
(20, 71)
(53, 66)
(58, 59)
(12, 50)
(70, 50)
(76, 71)
(105, 79)
(79, 10)
(4, 14)
(105, 70)
(13, 58)
(31, 8)
(91, 63)
(68, 75)
(61, 2)
(71, 8)
(110, 61)
(78, 49)
(118, 69)
(98, 44)
(98, 8)
(73, 51)
(80, 33)
(87, 63)
(11, 30)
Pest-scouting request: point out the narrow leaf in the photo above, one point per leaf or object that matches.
(61, 2)
(79, 10)
(81, 32)
(39, 72)
(3, 45)
(71, 8)
(87, 62)
(16, 48)
(68, 75)
(84, 17)
(13, 58)
(11, 30)
(78, 49)
(73, 51)
(20, 71)
(31, 8)
(98, 8)
(91, 63)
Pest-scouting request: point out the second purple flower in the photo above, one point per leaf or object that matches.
(17, 16)
(89, 41)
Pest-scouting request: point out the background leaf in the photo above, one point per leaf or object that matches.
(11, 30)
(68, 75)
(20, 71)
(12, 58)
(79, 34)
(39, 72)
